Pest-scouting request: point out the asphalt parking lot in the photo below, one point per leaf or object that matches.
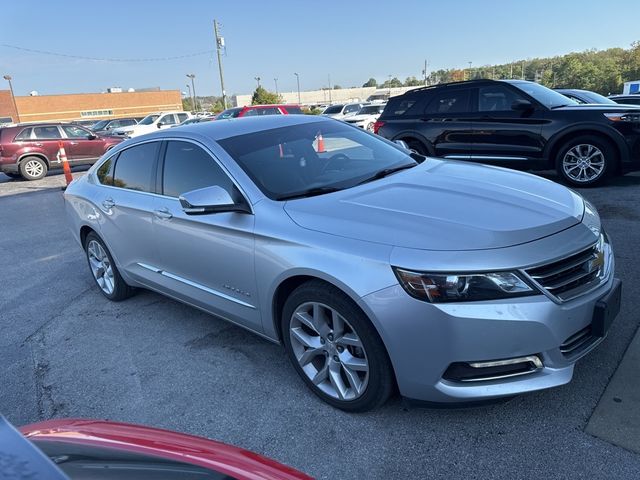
(68, 352)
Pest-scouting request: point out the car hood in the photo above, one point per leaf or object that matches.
(135, 128)
(444, 205)
(362, 117)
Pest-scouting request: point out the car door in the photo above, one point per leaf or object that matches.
(502, 135)
(46, 139)
(81, 145)
(124, 197)
(446, 122)
(207, 260)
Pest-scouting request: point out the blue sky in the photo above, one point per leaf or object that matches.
(348, 40)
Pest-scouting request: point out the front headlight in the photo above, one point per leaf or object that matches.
(468, 287)
(623, 117)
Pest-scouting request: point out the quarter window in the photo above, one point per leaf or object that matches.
(455, 101)
(496, 99)
(404, 105)
(24, 134)
(46, 133)
(134, 168)
(188, 167)
(182, 117)
(105, 172)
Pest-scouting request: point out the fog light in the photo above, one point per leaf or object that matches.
(492, 370)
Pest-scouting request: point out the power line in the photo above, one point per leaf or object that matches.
(119, 60)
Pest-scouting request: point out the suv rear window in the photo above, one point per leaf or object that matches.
(24, 134)
(293, 110)
(402, 107)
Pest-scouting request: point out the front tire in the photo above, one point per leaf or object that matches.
(585, 161)
(33, 168)
(104, 270)
(335, 349)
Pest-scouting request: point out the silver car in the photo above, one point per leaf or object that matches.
(376, 268)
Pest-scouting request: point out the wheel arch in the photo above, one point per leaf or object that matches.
(409, 135)
(559, 139)
(39, 155)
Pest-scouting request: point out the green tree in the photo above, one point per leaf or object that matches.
(187, 105)
(261, 96)
(337, 87)
(393, 83)
(413, 82)
(371, 83)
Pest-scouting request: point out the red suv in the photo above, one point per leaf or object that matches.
(30, 150)
(253, 110)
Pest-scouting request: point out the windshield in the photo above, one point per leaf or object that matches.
(371, 110)
(230, 113)
(99, 125)
(594, 97)
(149, 119)
(544, 95)
(333, 109)
(312, 156)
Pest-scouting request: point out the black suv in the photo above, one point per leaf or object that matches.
(517, 124)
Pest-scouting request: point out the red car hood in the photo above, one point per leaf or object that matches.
(239, 463)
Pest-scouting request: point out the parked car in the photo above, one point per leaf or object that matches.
(71, 449)
(342, 110)
(452, 281)
(104, 127)
(190, 121)
(31, 150)
(256, 110)
(366, 116)
(517, 124)
(85, 123)
(626, 99)
(584, 96)
(151, 123)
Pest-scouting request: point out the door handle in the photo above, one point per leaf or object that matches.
(73, 143)
(108, 203)
(163, 213)
(38, 144)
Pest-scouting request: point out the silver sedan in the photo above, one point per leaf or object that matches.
(376, 268)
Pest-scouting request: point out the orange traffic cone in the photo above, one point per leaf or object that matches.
(62, 155)
(320, 144)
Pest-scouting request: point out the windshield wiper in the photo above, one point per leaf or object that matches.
(386, 172)
(308, 193)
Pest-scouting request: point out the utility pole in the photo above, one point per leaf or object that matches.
(219, 45)
(298, 81)
(522, 77)
(190, 96)
(329, 77)
(276, 81)
(15, 105)
(470, 70)
(424, 72)
(193, 91)
(511, 74)
(257, 79)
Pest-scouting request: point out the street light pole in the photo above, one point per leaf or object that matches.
(257, 79)
(190, 96)
(219, 45)
(15, 105)
(470, 70)
(276, 81)
(298, 81)
(193, 90)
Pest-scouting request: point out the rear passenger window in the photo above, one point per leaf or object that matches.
(456, 101)
(24, 134)
(46, 133)
(293, 110)
(168, 120)
(188, 167)
(134, 167)
(182, 117)
(105, 172)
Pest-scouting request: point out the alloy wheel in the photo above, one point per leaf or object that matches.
(34, 168)
(101, 267)
(583, 163)
(329, 351)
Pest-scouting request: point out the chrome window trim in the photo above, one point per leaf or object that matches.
(483, 157)
(167, 139)
(195, 285)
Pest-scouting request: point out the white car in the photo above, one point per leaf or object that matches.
(151, 123)
(367, 116)
(342, 110)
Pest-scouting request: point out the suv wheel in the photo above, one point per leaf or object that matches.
(417, 146)
(585, 161)
(335, 349)
(33, 168)
(104, 270)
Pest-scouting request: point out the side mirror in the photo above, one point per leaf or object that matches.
(160, 124)
(521, 105)
(91, 136)
(402, 143)
(213, 199)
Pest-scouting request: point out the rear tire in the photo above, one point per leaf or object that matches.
(335, 349)
(33, 168)
(586, 161)
(104, 270)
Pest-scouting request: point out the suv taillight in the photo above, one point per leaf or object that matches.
(377, 125)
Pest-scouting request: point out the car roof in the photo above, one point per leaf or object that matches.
(231, 127)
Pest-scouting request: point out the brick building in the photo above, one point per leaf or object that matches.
(88, 106)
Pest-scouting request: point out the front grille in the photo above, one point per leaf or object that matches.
(567, 278)
(578, 342)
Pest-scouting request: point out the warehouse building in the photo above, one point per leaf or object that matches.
(86, 106)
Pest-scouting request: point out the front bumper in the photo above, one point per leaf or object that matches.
(424, 339)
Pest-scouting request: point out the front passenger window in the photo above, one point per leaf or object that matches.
(496, 99)
(188, 167)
